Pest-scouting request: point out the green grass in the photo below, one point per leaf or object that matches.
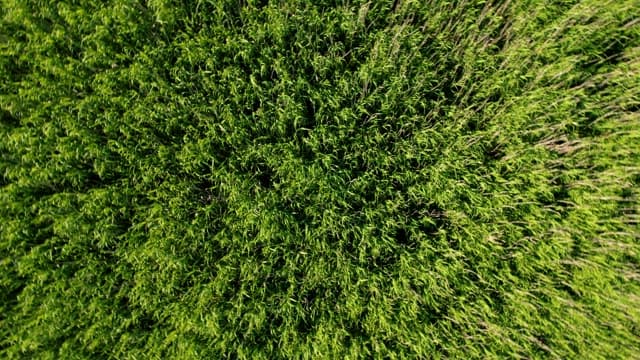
(342, 180)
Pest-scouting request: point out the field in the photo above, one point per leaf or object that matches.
(242, 179)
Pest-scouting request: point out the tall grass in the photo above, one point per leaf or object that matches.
(327, 179)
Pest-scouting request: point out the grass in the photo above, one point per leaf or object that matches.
(343, 179)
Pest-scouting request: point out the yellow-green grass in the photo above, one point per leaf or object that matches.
(319, 179)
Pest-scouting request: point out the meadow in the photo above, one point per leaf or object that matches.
(245, 179)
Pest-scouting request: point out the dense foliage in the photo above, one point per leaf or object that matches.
(331, 179)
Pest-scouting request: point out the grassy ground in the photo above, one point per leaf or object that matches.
(348, 179)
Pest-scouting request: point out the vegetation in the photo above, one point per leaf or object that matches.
(330, 179)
